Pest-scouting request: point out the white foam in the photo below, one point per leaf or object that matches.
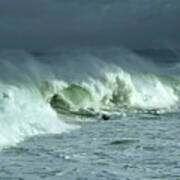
(23, 113)
(134, 90)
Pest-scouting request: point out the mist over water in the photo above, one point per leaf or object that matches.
(52, 106)
(86, 82)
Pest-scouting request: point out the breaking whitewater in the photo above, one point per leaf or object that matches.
(51, 108)
(39, 91)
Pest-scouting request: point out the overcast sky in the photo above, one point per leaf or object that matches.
(49, 24)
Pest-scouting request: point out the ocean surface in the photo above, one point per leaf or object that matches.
(51, 108)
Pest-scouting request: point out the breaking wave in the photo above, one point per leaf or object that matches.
(115, 92)
(37, 91)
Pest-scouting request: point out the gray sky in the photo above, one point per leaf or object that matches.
(48, 24)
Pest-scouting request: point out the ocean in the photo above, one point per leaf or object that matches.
(51, 108)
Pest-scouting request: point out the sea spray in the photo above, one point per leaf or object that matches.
(118, 91)
(35, 91)
(23, 113)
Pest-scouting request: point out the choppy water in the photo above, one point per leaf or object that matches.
(135, 147)
(50, 115)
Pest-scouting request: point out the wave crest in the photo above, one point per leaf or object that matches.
(114, 92)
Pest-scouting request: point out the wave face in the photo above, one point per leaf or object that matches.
(37, 91)
(120, 92)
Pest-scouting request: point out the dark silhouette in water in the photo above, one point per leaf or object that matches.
(105, 117)
(62, 106)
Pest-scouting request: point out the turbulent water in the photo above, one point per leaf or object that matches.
(51, 107)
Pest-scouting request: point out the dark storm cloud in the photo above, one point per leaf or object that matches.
(41, 24)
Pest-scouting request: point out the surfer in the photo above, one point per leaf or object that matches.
(105, 117)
